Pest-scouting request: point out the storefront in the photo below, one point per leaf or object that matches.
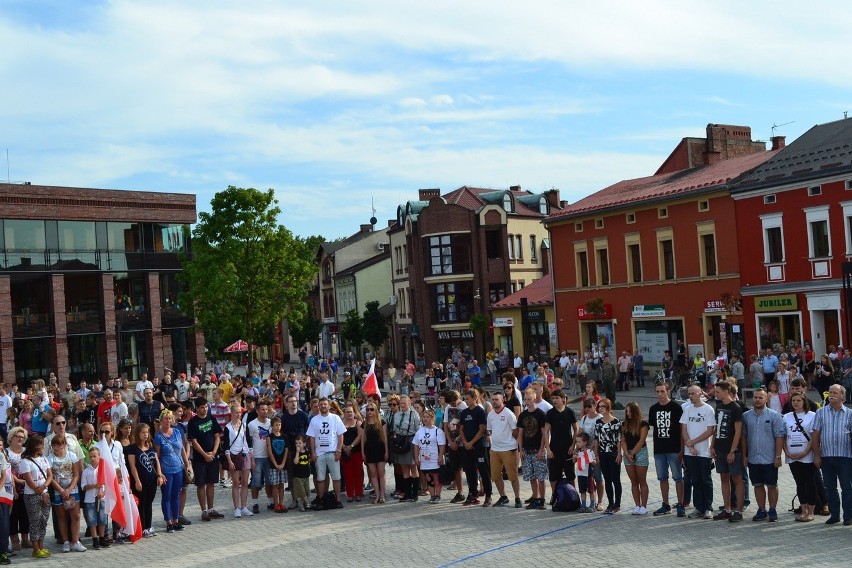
(597, 330)
(655, 333)
(722, 326)
(504, 339)
(824, 310)
(448, 340)
(537, 335)
(779, 321)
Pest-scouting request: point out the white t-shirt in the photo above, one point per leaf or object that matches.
(182, 390)
(89, 477)
(38, 475)
(425, 439)
(501, 424)
(325, 389)
(543, 405)
(259, 432)
(325, 430)
(697, 420)
(5, 404)
(140, 389)
(117, 412)
(795, 440)
(237, 439)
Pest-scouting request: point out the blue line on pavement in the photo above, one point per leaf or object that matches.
(523, 541)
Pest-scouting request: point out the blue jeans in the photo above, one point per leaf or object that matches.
(702, 481)
(171, 496)
(834, 470)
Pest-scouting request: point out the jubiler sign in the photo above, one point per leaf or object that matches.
(782, 303)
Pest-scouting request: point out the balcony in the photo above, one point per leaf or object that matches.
(133, 319)
(175, 318)
(75, 261)
(29, 324)
(83, 322)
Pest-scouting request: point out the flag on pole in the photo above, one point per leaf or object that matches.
(371, 385)
(119, 503)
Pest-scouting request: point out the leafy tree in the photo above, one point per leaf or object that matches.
(353, 329)
(246, 271)
(375, 326)
(596, 308)
(306, 331)
(479, 323)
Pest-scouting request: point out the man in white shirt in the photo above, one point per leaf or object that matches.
(5, 405)
(502, 426)
(182, 389)
(118, 412)
(325, 433)
(540, 403)
(326, 387)
(143, 384)
(83, 391)
(259, 430)
(698, 425)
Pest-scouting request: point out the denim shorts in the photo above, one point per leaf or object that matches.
(57, 498)
(95, 513)
(763, 474)
(327, 465)
(260, 473)
(735, 469)
(641, 458)
(666, 462)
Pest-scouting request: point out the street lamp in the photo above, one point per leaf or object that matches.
(478, 296)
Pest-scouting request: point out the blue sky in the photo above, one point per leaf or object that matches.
(335, 104)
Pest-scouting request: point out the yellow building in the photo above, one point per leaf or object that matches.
(525, 323)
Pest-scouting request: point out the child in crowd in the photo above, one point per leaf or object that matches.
(93, 501)
(774, 397)
(301, 473)
(585, 460)
(277, 450)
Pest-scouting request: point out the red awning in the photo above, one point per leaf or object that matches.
(238, 345)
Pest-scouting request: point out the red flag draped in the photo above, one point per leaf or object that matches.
(371, 385)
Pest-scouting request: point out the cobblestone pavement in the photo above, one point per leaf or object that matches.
(416, 534)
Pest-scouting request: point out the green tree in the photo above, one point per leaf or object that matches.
(307, 330)
(353, 330)
(595, 307)
(375, 326)
(246, 271)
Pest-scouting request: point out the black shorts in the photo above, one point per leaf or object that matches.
(205, 472)
(556, 467)
(453, 459)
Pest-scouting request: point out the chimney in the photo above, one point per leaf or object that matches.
(427, 194)
(368, 228)
(778, 142)
(553, 198)
(712, 158)
(514, 188)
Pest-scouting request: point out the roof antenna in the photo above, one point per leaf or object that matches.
(775, 126)
(844, 116)
(373, 219)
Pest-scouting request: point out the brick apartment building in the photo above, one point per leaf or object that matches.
(88, 283)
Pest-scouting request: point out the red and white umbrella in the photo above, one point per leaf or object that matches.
(238, 345)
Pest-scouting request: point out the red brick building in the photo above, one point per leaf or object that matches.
(88, 283)
(659, 252)
(794, 217)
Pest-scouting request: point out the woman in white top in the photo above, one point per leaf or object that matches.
(37, 476)
(800, 455)
(66, 468)
(240, 460)
(783, 376)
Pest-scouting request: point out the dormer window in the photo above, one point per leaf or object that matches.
(543, 206)
(507, 203)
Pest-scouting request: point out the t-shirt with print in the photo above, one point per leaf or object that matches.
(727, 415)
(697, 420)
(561, 429)
(472, 419)
(502, 426)
(428, 440)
(452, 418)
(146, 463)
(532, 427)
(664, 420)
(37, 468)
(608, 435)
(279, 446)
(325, 430)
(259, 432)
(302, 466)
(63, 468)
(105, 410)
(204, 431)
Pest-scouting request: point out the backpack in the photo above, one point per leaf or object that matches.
(567, 498)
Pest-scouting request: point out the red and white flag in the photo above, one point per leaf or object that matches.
(371, 385)
(584, 459)
(119, 502)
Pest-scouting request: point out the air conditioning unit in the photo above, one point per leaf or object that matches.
(381, 247)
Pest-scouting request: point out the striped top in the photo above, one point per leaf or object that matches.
(835, 428)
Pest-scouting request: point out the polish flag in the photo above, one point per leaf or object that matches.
(371, 385)
(119, 503)
(584, 459)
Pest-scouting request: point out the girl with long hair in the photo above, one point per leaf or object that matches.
(634, 432)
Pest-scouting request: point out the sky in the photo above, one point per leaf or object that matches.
(348, 105)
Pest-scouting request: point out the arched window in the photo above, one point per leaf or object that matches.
(507, 203)
(543, 206)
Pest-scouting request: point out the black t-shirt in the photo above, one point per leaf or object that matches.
(279, 446)
(532, 424)
(88, 416)
(632, 438)
(472, 419)
(294, 424)
(561, 429)
(512, 403)
(204, 431)
(665, 422)
(726, 416)
(302, 466)
(146, 463)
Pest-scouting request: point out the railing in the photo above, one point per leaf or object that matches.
(81, 323)
(133, 319)
(175, 318)
(28, 324)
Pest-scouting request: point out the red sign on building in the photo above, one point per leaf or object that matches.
(582, 314)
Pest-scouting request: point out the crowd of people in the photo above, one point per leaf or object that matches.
(309, 444)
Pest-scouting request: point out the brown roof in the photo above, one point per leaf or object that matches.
(471, 198)
(664, 185)
(538, 293)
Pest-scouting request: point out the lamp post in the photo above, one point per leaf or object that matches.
(483, 325)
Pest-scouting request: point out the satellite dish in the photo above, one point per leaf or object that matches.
(373, 220)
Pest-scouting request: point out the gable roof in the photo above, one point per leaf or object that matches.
(653, 188)
(538, 293)
(824, 150)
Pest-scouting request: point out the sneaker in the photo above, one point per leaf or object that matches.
(270, 506)
(664, 509)
(214, 514)
(96, 544)
(457, 499)
(469, 502)
(643, 510)
(78, 547)
(736, 517)
(696, 514)
(238, 513)
(255, 509)
(583, 509)
(708, 515)
(528, 501)
(178, 527)
(119, 539)
(760, 516)
(609, 510)
(723, 516)
(184, 521)
(103, 542)
(301, 506)
(245, 511)
(66, 546)
(170, 529)
(773, 516)
(635, 510)
(832, 520)
(541, 506)
(4, 559)
(205, 516)
(222, 483)
(368, 487)
(487, 502)
(43, 553)
(518, 504)
(502, 501)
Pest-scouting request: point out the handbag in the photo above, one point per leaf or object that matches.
(401, 443)
(188, 476)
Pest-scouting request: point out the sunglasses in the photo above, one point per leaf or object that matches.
(371, 410)
(393, 404)
(59, 423)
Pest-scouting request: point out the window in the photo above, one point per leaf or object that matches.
(768, 199)
(521, 284)
(634, 258)
(818, 232)
(533, 251)
(849, 184)
(599, 223)
(814, 190)
(630, 218)
(602, 267)
(708, 246)
(519, 247)
(847, 216)
(493, 244)
(704, 205)
(124, 237)
(662, 213)
(667, 258)
(582, 269)
(76, 235)
(578, 227)
(449, 254)
(405, 258)
(511, 243)
(773, 238)
(452, 302)
(507, 203)
(543, 206)
(24, 235)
